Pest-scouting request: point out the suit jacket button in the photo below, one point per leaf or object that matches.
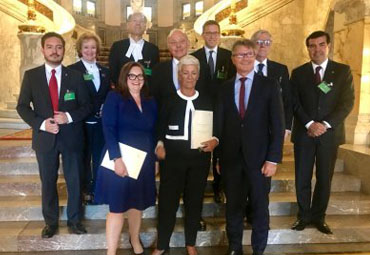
(242, 125)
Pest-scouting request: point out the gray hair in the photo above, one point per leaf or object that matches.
(188, 60)
(137, 13)
(176, 30)
(256, 34)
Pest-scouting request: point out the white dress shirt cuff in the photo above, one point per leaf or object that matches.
(274, 163)
(327, 124)
(70, 120)
(42, 127)
(159, 143)
(309, 124)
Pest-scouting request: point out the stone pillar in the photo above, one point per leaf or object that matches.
(165, 13)
(352, 46)
(30, 52)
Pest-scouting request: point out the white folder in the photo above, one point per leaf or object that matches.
(201, 127)
(132, 157)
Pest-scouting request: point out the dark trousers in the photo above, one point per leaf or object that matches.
(94, 147)
(305, 156)
(48, 168)
(187, 177)
(239, 180)
(216, 185)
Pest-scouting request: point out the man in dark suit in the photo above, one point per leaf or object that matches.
(323, 96)
(279, 72)
(250, 126)
(134, 48)
(219, 67)
(164, 80)
(60, 103)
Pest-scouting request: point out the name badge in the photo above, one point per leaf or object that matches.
(69, 96)
(221, 75)
(148, 71)
(324, 87)
(88, 77)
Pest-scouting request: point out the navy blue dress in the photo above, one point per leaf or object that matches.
(124, 122)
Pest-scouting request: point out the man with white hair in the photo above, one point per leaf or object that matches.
(165, 80)
(134, 48)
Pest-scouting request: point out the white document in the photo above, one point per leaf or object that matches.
(132, 157)
(201, 128)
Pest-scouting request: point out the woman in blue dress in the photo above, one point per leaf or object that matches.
(129, 117)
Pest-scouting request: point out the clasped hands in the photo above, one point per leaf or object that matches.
(52, 124)
(316, 129)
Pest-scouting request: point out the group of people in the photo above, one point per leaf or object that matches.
(86, 111)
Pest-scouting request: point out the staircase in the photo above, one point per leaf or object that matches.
(9, 118)
(21, 218)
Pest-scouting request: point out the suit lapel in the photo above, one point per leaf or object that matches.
(44, 86)
(271, 71)
(329, 72)
(173, 88)
(63, 85)
(232, 97)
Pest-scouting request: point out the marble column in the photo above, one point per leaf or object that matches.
(352, 46)
(30, 52)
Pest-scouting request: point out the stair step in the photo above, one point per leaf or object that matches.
(11, 105)
(13, 123)
(16, 149)
(281, 204)
(25, 236)
(30, 184)
(9, 113)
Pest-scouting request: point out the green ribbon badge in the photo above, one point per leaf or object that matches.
(88, 77)
(69, 96)
(325, 87)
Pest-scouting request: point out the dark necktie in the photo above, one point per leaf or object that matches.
(53, 90)
(211, 63)
(241, 97)
(260, 68)
(317, 75)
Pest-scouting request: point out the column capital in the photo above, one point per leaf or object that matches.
(354, 10)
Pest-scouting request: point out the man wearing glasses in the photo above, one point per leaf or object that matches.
(279, 72)
(250, 126)
(218, 65)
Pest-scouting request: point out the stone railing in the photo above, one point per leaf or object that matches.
(44, 10)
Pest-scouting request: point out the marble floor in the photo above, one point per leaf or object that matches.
(312, 249)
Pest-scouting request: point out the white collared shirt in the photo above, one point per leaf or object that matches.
(175, 78)
(323, 67)
(93, 69)
(135, 49)
(58, 75)
(214, 54)
(248, 86)
(264, 69)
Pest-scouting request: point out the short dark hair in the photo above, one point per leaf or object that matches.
(211, 22)
(318, 34)
(122, 86)
(49, 35)
(245, 42)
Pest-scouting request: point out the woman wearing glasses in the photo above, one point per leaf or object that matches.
(129, 117)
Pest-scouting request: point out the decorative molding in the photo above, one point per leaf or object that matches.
(354, 10)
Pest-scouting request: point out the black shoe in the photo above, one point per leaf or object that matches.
(299, 225)
(49, 231)
(202, 225)
(234, 252)
(132, 248)
(257, 253)
(76, 228)
(323, 228)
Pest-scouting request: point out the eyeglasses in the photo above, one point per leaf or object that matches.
(133, 77)
(264, 42)
(249, 54)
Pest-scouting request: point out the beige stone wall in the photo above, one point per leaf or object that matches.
(9, 58)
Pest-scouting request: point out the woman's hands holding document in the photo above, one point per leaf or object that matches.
(209, 145)
(120, 167)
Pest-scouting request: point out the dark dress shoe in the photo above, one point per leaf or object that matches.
(76, 228)
(299, 225)
(49, 231)
(202, 225)
(323, 228)
(234, 252)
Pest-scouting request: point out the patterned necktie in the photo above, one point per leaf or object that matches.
(260, 68)
(211, 63)
(53, 90)
(241, 97)
(317, 75)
